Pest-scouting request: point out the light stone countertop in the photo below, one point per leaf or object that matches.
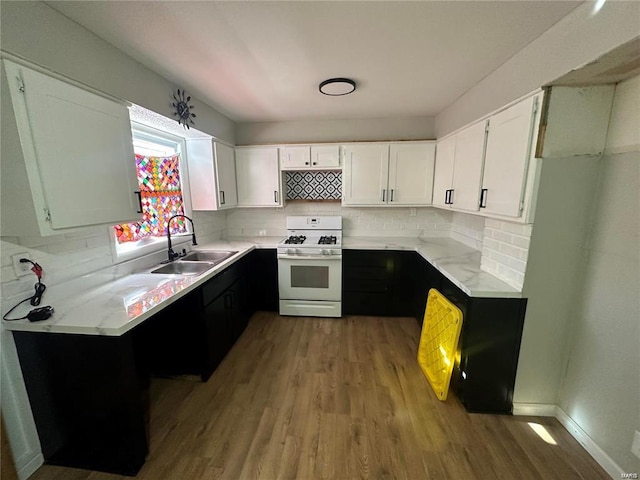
(114, 301)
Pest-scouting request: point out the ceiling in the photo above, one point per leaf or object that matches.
(262, 61)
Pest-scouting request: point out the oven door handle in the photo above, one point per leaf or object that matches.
(283, 256)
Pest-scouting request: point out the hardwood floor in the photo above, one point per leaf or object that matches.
(307, 398)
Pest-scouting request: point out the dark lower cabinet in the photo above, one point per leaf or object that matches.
(484, 377)
(263, 280)
(394, 283)
(89, 398)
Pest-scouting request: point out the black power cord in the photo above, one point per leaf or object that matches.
(37, 313)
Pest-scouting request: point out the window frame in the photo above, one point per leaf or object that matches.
(131, 250)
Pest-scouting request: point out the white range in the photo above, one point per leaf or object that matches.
(310, 267)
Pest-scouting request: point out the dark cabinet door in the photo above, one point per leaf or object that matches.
(218, 336)
(262, 280)
(367, 282)
(488, 350)
(427, 278)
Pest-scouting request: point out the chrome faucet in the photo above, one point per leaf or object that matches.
(173, 255)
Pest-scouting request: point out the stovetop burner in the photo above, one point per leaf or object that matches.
(295, 240)
(328, 240)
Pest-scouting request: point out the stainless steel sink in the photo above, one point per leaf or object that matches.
(214, 256)
(184, 268)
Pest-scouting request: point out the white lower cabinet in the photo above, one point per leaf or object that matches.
(396, 174)
(509, 148)
(258, 177)
(458, 172)
(212, 175)
(74, 164)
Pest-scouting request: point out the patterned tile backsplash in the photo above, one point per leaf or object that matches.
(325, 185)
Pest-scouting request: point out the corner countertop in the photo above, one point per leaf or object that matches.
(456, 261)
(119, 302)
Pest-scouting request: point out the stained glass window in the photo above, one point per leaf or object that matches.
(161, 197)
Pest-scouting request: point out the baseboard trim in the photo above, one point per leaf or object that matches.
(30, 467)
(604, 460)
(534, 409)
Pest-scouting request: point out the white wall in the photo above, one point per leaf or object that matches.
(577, 39)
(601, 386)
(370, 129)
(36, 32)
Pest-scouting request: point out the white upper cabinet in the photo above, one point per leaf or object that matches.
(366, 174)
(458, 172)
(507, 157)
(295, 156)
(467, 168)
(325, 156)
(258, 177)
(77, 154)
(411, 173)
(443, 175)
(226, 175)
(398, 174)
(212, 175)
(309, 157)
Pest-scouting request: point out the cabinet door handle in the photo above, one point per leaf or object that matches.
(384, 191)
(275, 196)
(483, 198)
(446, 197)
(139, 194)
(306, 163)
(451, 196)
(315, 163)
(222, 195)
(391, 198)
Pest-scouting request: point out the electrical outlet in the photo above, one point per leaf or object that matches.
(412, 212)
(635, 445)
(20, 268)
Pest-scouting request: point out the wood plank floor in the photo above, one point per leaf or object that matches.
(307, 398)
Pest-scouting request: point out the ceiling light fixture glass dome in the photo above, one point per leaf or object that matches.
(336, 87)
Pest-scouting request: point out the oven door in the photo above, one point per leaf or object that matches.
(307, 277)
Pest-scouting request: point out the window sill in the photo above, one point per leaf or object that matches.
(125, 253)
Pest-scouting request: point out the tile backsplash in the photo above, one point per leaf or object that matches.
(72, 255)
(505, 250)
(389, 222)
(325, 185)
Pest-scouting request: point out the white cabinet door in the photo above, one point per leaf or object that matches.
(78, 151)
(202, 175)
(467, 169)
(365, 175)
(258, 177)
(443, 175)
(411, 173)
(309, 157)
(225, 162)
(506, 159)
(325, 156)
(295, 156)
(212, 175)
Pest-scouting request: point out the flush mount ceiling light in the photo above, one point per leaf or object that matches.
(337, 86)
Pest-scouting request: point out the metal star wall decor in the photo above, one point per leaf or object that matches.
(183, 109)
